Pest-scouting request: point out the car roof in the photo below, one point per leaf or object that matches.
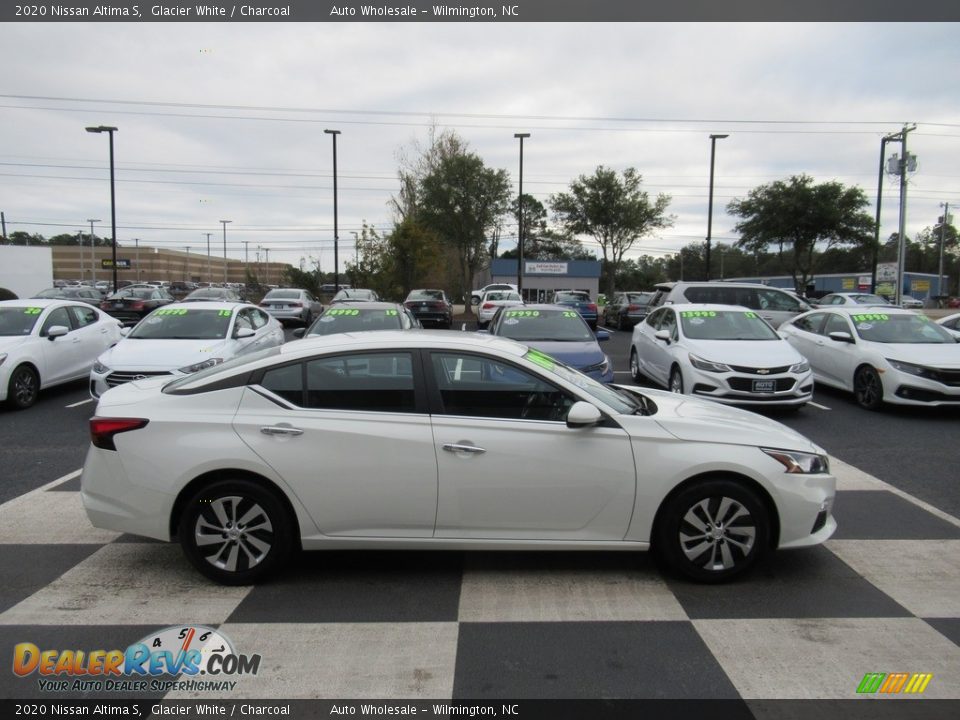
(38, 302)
(206, 305)
(429, 339)
(370, 305)
(864, 309)
(710, 307)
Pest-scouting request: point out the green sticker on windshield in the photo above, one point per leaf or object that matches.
(570, 314)
(541, 359)
(225, 313)
(342, 311)
(32, 311)
(750, 315)
(698, 313)
(522, 313)
(870, 317)
(178, 311)
(391, 313)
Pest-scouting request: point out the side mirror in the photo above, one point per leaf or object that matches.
(583, 414)
(125, 330)
(244, 332)
(663, 335)
(299, 332)
(57, 331)
(844, 337)
(474, 301)
(602, 336)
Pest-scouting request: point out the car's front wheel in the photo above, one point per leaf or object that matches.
(712, 531)
(635, 365)
(23, 388)
(676, 381)
(868, 388)
(235, 532)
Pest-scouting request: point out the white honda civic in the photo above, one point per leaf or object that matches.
(182, 338)
(436, 440)
(880, 354)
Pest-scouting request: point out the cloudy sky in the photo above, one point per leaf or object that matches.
(221, 121)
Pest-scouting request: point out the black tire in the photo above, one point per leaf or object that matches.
(254, 553)
(23, 388)
(676, 381)
(620, 324)
(712, 531)
(868, 388)
(308, 320)
(635, 366)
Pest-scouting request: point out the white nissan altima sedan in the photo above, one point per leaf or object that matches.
(435, 440)
(881, 354)
(181, 339)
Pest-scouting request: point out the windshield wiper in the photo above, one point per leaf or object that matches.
(637, 401)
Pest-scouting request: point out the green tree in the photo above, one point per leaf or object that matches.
(798, 215)
(462, 201)
(414, 254)
(614, 210)
(541, 242)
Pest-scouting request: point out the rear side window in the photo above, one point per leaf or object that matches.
(83, 315)
(810, 323)
(285, 381)
(374, 382)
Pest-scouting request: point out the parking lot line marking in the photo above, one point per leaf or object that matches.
(817, 405)
(44, 488)
(82, 402)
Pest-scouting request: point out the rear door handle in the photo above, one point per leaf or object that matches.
(280, 430)
(455, 448)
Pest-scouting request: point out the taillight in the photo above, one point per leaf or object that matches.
(632, 308)
(102, 429)
(487, 306)
(592, 307)
(296, 304)
(138, 305)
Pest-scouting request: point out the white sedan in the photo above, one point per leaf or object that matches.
(439, 440)
(48, 342)
(182, 338)
(951, 323)
(492, 301)
(721, 352)
(880, 354)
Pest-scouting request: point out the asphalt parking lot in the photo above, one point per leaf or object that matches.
(882, 596)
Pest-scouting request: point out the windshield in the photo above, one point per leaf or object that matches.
(353, 295)
(868, 300)
(215, 293)
(425, 295)
(639, 298)
(18, 320)
(56, 293)
(905, 328)
(623, 403)
(284, 294)
(338, 320)
(725, 325)
(571, 297)
(555, 325)
(183, 324)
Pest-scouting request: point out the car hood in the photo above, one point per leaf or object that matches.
(161, 354)
(748, 353)
(574, 354)
(940, 356)
(689, 418)
(9, 342)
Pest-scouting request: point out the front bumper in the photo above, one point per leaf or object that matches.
(737, 388)
(902, 388)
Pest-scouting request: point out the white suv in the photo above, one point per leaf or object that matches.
(774, 305)
(477, 295)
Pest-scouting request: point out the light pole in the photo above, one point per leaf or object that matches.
(336, 237)
(136, 242)
(520, 136)
(713, 152)
(876, 229)
(93, 254)
(901, 167)
(186, 266)
(943, 227)
(224, 222)
(209, 267)
(113, 201)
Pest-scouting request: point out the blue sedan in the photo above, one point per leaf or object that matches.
(559, 332)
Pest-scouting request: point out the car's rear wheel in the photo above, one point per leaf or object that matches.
(23, 388)
(712, 531)
(868, 388)
(621, 325)
(235, 532)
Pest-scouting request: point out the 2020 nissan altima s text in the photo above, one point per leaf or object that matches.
(443, 441)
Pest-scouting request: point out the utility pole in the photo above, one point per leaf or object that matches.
(80, 243)
(136, 242)
(876, 228)
(224, 222)
(943, 224)
(186, 265)
(901, 166)
(267, 251)
(93, 254)
(209, 271)
(713, 152)
(3, 225)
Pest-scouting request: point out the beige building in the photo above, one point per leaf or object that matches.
(146, 264)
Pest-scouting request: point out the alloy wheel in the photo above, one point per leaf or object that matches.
(233, 533)
(717, 533)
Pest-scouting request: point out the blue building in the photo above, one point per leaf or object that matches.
(540, 277)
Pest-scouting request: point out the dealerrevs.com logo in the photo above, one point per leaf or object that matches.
(185, 650)
(894, 683)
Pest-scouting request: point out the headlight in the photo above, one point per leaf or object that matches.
(100, 369)
(600, 366)
(800, 367)
(197, 367)
(918, 370)
(701, 364)
(800, 463)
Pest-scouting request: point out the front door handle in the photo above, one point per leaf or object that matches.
(281, 430)
(455, 448)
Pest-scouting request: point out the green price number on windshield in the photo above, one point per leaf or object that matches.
(569, 314)
(522, 313)
(179, 311)
(32, 311)
(698, 313)
(338, 312)
(391, 313)
(870, 317)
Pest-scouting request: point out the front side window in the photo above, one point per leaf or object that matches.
(476, 386)
(778, 301)
(836, 323)
(810, 323)
(58, 316)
